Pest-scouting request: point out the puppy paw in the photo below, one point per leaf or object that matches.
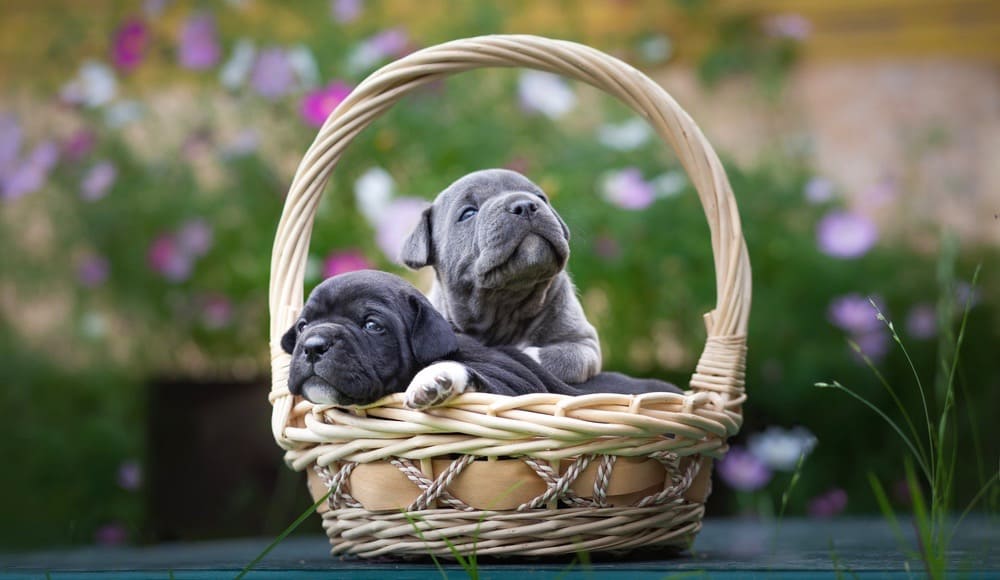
(436, 384)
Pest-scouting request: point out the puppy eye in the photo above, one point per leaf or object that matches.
(300, 326)
(374, 327)
(543, 198)
(468, 213)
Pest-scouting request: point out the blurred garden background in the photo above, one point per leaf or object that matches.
(145, 149)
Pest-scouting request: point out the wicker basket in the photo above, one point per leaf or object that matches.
(531, 475)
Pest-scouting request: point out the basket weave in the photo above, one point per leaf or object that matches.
(537, 474)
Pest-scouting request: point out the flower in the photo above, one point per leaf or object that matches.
(31, 173)
(780, 449)
(874, 345)
(846, 235)
(216, 311)
(303, 62)
(113, 534)
(168, 260)
(819, 190)
(627, 189)
(79, 144)
(921, 321)
(743, 471)
(130, 475)
(878, 194)
(92, 270)
(194, 237)
(94, 85)
(345, 11)
(656, 49)
(791, 26)
(93, 325)
(98, 181)
(272, 75)
(545, 93)
(243, 143)
(129, 45)
(318, 104)
(854, 313)
(391, 43)
(669, 184)
(396, 223)
(10, 143)
(198, 46)
(966, 294)
(372, 192)
(345, 261)
(625, 136)
(828, 504)
(122, 113)
(236, 70)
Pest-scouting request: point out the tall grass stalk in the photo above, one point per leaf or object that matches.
(936, 462)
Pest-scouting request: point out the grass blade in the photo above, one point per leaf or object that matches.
(298, 521)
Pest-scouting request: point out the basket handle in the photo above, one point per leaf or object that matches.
(720, 368)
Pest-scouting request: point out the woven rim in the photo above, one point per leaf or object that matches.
(553, 425)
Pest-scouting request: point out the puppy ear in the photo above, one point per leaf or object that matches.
(431, 337)
(288, 340)
(418, 250)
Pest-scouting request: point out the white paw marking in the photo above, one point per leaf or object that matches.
(534, 352)
(436, 384)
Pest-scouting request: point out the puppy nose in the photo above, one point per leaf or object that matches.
(314, 346)
(523, 207)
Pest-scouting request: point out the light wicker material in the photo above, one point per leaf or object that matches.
(537, 474)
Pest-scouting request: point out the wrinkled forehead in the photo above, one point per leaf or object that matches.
(482, 185)
(354, 295)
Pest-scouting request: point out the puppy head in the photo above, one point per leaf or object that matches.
(363, 335)
(492, 229)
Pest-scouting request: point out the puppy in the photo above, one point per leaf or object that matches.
(363, 335)
(499, 251)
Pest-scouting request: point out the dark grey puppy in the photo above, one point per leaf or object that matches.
(499, 251)
(364, 335)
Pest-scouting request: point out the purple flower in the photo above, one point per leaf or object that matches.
(874, 344)
(844, 234)
(318, 104)
(30, 175)
(395, 223)
(194, 237)
(345, 261)
(345, 11)
(129, 46)
(79, 144)
(198, 47)
(791, 26)
(627, 189)
(965, 293)
(130, 475)
(743, 471)
(781, 449)
(10, 144)
(854, 313)
(168, 260)
(921, 321)
(113, 534)
(828, 504)
(216, 312)
(391, 43)
(819, 190)
(92, 270)
(272, 76)
(98, 181)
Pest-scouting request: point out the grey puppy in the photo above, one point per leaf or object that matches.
(499, 251)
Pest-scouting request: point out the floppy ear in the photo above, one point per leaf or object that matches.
(418, 250)
(431, 337)
(288, 340)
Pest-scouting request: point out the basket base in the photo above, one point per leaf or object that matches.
(541, 532)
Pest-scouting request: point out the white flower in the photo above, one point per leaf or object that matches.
(396, 223)
(93, 325)
(94, 85)
(122, 113)
(235, 71)
(626, 136)
(303, 62)
(373, 192)
(669, 184)
(545, 93)
(656, 49)
(781, 449)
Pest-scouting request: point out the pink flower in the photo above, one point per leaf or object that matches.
(628, 190)
(272, 76)
(396, 223)
(921, 321)
(819, 190)
(345, 11)
(31, 174)
(854, 313)
(846, 235)
(743, 471)
(216, 312)
(345, 261)
(194, 237)
(168, 260)
(98, 181)
(829, 504)
(79, 144)
(198, 47)
(318, 104)
(874, 344)
(92, 270)
(130, 475)
(113, 534)
(391, 43)
(129, 46)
